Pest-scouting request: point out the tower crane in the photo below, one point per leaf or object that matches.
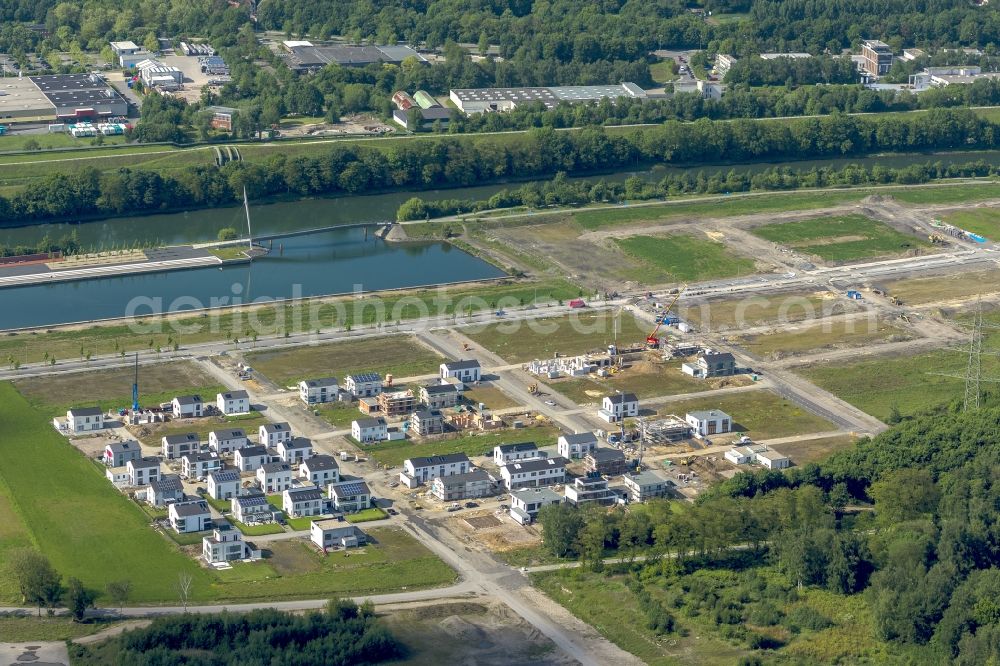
(651, 340)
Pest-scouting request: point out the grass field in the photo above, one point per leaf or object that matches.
(662, 71)
(815, 450)
(366, 516)
(112, 388)
(490, 396)
(949, 193)
(937, 288)
(278, 319)
(907, 382)
(759, 310)
(394, 453)
(337, 414)
(400, 356)
(18, 629)
(841, 237)
(686, 258)
(151, 434)
(760, 414)
(983, 221)
(790, 340)
(524, 340)
(645, 379)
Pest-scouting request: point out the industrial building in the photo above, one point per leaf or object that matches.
(877, 57)
(155, 74)
(938, 77)
(481, 100)
(303, 56)
(59, 97)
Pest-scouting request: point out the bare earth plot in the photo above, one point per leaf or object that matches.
(752, 311)
(838, 334)
(944, 288)
(644, 378)
(401, 356)
(576, 333)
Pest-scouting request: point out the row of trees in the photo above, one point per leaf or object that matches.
(345, 633)
(42, 586)
(358, 169)
(562, 191)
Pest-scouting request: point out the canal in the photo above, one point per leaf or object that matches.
(329, 262)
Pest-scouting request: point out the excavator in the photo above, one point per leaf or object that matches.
(652, 341)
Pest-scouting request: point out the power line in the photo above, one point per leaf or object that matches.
(974, 368)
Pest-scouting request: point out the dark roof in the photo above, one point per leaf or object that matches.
(424, 414)
(188, 399)
(251, 451)
(192, 508)
(319, 383)
(580, 438)
(229, 434)
(276, 427)
(535, 464)
(181, 439)
(200, 456)
(349, 488)
(255, 499)
(270, 468)
(468, 364)
(459, 479)
(52, 83)
(85, 411)
(425, 461)
(370, 422)
(434, 389)
(718, 356)
(296, 443)
(304, 493)
(621, 398)
(168, 483)
(521, 446)
(123, 446)
(605, 455)
(236, 395)
(224, 475)
(365, 377)
(144, 463)
(317, 463)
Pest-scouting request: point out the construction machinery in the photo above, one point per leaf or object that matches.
(935, 239)
(652, 341)
(465, 346)
(895, 300)
(533, 389)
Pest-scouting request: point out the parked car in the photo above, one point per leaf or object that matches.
(471, 505)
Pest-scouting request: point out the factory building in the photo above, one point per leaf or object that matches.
(877, 57)
(481, 100)
(64, 97)
(303, 56)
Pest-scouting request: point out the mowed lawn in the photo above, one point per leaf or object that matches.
(983, 221)
(394, 453)
(75, 517)
(686, 258)
(577, 333)
(112, 388)
(841, 237)
(401, 356)
(760, 414)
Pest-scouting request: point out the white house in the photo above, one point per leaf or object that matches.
(587, 490)
(142, 470)
(166, 489)
(370, 430)
(192, 516)
(320, 470)
(533, 473)
(425, 469)
(741, 455)
(274, 477)
(117, 454)
(198, 465)
(708, 423)
(472, 484)
(234, 402)
(364, 385)
(577, 445)
(524, 504)
(295, 450)
(317, 391)
(331, 533)
(187, 406)
(118, 476)
(440, 396)
(619, 406)
(223, 484)
(251, 458)
(757, 453)
(505, 453)
(771, 459)
(350, 496)
(642, 486)
(270, 434)
(463, 371)
(226, 545)
(303, 501)
(84, 419)
(177, 446)
(227, 441)
(251, 508)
